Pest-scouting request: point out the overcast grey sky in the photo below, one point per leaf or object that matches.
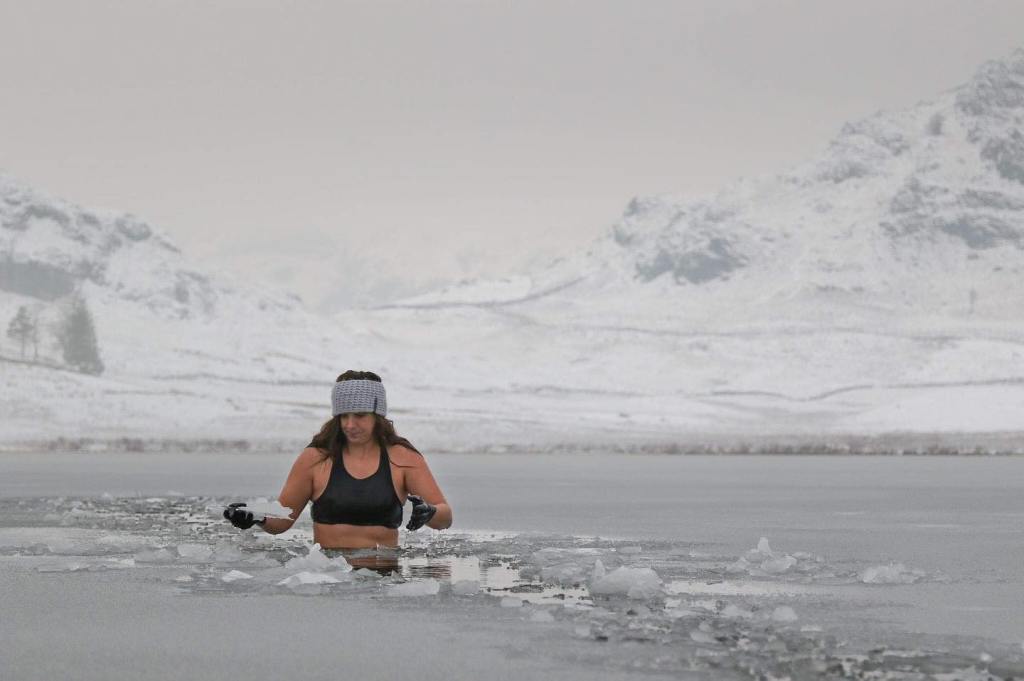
(459, 133)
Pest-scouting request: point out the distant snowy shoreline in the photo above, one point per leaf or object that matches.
(896, 444)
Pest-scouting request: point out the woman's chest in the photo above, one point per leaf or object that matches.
(357, 474)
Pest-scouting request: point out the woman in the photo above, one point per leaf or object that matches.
(358, 472)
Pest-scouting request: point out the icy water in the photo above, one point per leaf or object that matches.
(570, 567)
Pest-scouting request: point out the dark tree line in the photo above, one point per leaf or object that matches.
(75, 333)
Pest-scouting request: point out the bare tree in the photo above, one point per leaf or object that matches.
(23, 329)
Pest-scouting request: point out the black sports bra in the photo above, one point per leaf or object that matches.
(354, 501)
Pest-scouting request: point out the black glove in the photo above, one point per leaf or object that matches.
(240, 517)
(422, 512)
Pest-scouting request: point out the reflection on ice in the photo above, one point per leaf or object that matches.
(698, 614)
(419, 587)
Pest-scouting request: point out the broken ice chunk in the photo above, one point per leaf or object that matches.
(234, 576)
(639, 583)
(893, 573)
(777, 566)
(306, 578)
(316, 560)
(268, 509)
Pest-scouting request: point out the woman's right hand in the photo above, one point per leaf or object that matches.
(241, 517)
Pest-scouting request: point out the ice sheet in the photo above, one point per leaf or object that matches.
(682, 601)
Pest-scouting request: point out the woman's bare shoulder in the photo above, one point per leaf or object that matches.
(401, 455)
(310, 456)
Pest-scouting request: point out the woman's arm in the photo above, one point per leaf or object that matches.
(297, 491)
(420, 481)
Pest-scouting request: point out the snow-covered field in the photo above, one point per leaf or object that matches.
(118, 565)
(867, 299)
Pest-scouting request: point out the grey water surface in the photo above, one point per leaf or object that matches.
(114, 565)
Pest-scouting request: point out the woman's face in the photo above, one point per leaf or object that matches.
(358, 428)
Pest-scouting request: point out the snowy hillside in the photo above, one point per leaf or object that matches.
(904, 213)
(164, 327)
(870, 292)
(875, 288)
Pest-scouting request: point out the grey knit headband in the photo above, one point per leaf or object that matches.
(359, 397)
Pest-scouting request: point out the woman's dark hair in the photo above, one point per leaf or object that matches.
(331, 438)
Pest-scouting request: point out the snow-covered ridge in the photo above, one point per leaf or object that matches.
(897, 203)
(50, 248)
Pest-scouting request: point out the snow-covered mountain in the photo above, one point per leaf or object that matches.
(904, 213)
(870, 291)
(874, 288)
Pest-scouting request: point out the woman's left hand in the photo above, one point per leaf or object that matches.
(422, 512)
(241, 517)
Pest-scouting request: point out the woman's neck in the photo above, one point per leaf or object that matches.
(363, 450)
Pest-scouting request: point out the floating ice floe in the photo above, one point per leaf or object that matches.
(234, 576)
(306, 578)
(424, 587)
(561, 566)
(784, 614)
(777, 566)
(119, 563)
(317, 561)
(542, 616)
(893, 573)
(77, 515)
(632, 582)
(763, 560)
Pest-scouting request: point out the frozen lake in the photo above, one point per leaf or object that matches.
(113, 565)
